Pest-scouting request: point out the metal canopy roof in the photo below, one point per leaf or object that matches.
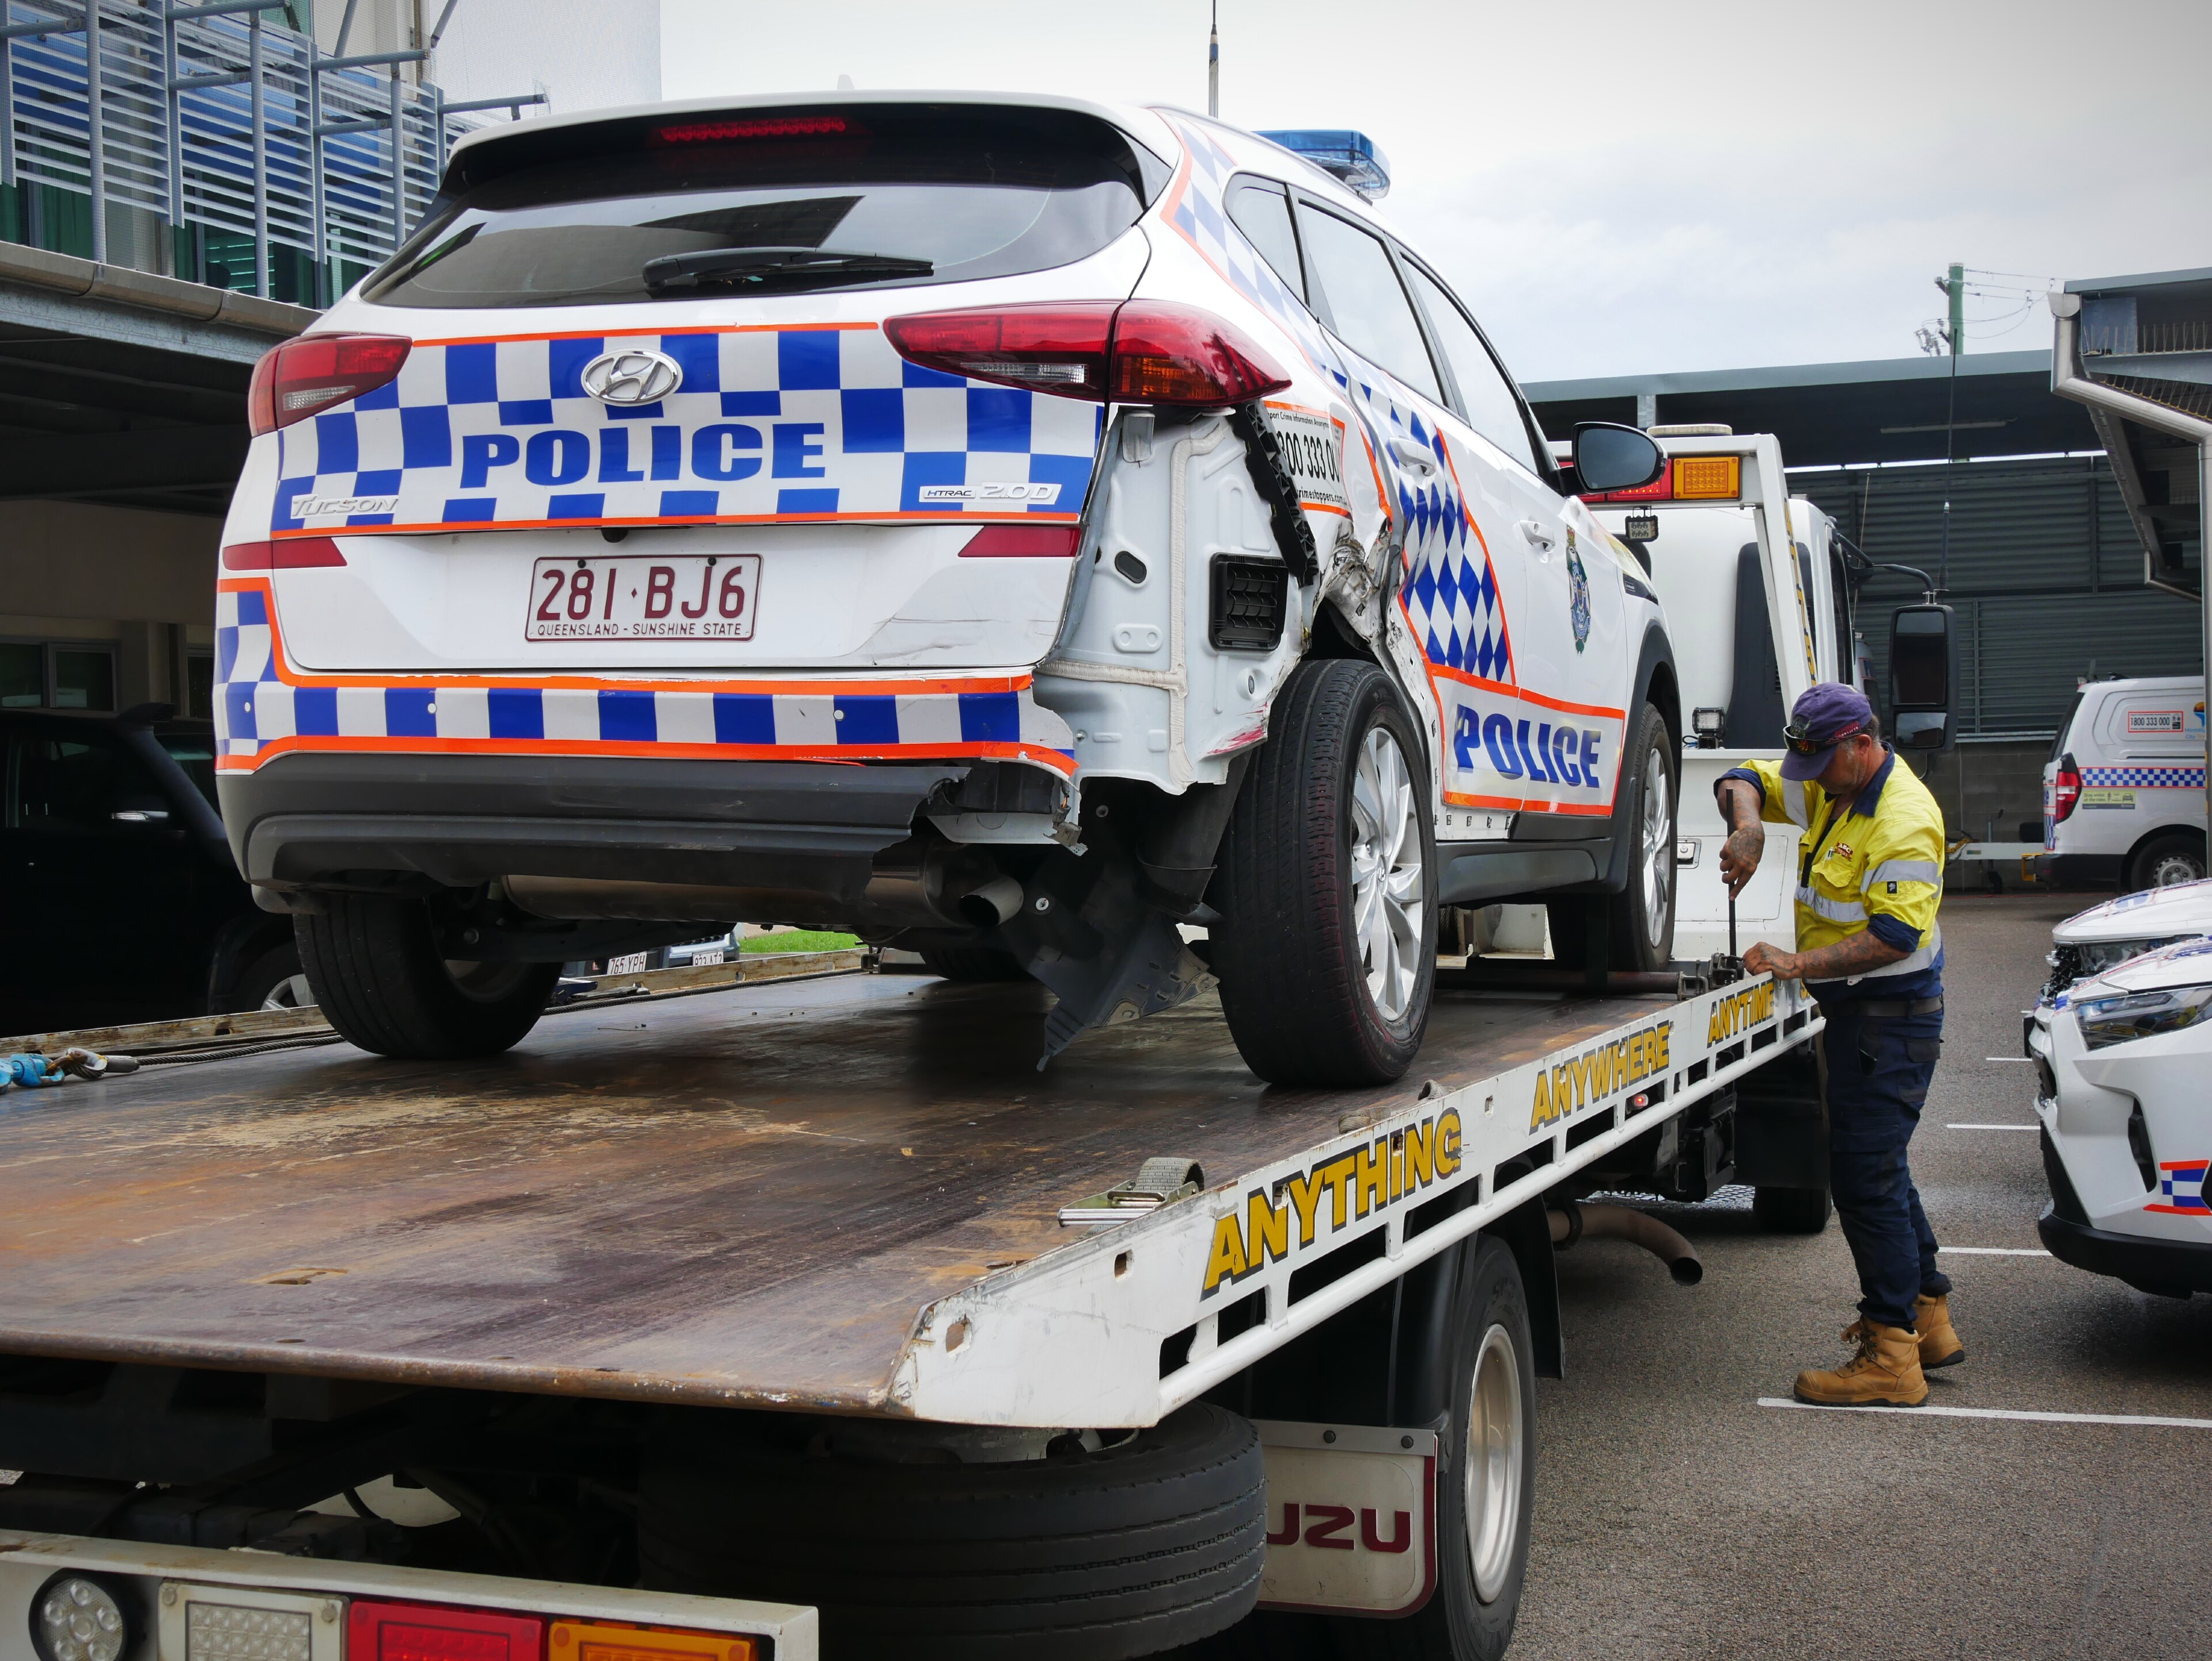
(1882, 409)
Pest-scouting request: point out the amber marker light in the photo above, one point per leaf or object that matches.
(1708, 479)
(606, 1640)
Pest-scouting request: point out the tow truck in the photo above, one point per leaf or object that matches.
(805, 1317)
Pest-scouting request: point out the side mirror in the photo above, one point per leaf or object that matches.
(1922, 676)
(1611, 457)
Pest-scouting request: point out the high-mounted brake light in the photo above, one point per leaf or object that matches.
(776, 126)
(1023, 542)
(377, 1630)
(292, 554)
(2066, 790)
(305, 376)
(1140, 352)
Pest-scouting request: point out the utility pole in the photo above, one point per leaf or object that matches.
(1957, 289)
(1213, 66)
(1955, 336)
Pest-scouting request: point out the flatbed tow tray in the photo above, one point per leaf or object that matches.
(840, 1194)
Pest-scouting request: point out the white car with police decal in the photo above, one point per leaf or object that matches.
(2121, 1057)
(1008, 527)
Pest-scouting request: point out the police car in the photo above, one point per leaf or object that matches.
(1007, 527)
(2121, 1057)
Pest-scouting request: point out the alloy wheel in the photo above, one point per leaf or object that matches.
(1655, 846)
(1386, 874)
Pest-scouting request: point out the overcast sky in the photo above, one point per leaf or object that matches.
(1626, 187)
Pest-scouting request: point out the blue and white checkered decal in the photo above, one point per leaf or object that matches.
(2144, 778)
(262, 709)
(768, 424)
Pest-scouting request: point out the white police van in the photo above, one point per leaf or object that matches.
(1006, 527)
(2123, 789)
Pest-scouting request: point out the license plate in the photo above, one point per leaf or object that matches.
(642, 597)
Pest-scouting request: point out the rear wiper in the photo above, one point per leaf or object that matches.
(747, 268)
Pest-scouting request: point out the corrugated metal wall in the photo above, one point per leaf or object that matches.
(2044, 572)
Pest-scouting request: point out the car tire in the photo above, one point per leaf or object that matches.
(2166, 861)
(374, 964)
(973, 963)
(1312, 996)
(1098, 1555)
(274, 980)
(1791, 1210)
(1485, 1480)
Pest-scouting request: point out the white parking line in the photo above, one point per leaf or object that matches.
(2151, 1419)
(2008, 1058)
(1995, 1251)
(1992, 1127)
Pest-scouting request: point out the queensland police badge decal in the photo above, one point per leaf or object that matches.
(1579, 595)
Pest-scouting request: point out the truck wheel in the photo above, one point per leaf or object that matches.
(2163, 862)
(372, 963)
(973, 963)
(1326, 946)
(1640, 920)
(1156, 1541)
(1791, 1210)
(1486, 1482)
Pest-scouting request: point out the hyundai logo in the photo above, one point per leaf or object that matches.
(632, 377)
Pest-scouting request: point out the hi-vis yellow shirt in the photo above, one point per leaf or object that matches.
(1875, 861)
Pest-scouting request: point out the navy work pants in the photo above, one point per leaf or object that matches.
(1876, 1069)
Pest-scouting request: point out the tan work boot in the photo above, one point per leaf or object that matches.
(1939, 1339)
(1885, 1372)
(1931, 1321)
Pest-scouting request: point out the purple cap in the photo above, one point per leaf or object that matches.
(1828, 713)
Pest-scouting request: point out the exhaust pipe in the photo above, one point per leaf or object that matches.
(995, 902)
(1571, 1221)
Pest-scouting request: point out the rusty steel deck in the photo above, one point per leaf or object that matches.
(742, 1197)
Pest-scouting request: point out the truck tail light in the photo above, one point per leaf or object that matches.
(2066, 790)
(1686, 479)
(377, 1630)
(292, 554)
(606, 1640)
(1141, 352)
(1708, 479)
(1023, 542)
(1661, 489)
(303, 376)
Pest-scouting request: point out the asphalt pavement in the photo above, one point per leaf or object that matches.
(1676, 1516)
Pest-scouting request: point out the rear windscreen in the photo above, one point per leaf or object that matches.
(773, 202)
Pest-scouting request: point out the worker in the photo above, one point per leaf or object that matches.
(1871, 953)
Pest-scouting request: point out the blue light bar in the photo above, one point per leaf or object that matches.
(1350, 156)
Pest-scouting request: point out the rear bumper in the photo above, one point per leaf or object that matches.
(309, 820)
(2176, 1267)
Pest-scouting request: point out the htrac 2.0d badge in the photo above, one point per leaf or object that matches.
(1578, 593)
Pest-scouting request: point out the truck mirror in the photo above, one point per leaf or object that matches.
(1922, 676)
(1611, 457)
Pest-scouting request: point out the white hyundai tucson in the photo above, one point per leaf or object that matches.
(1004, 526)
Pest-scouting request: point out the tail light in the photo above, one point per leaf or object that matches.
(1686, 479)
(2066, 790)
(1140, 352)
(292, 553)
(377, 1630)
(303, 376)
(1023, 542)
